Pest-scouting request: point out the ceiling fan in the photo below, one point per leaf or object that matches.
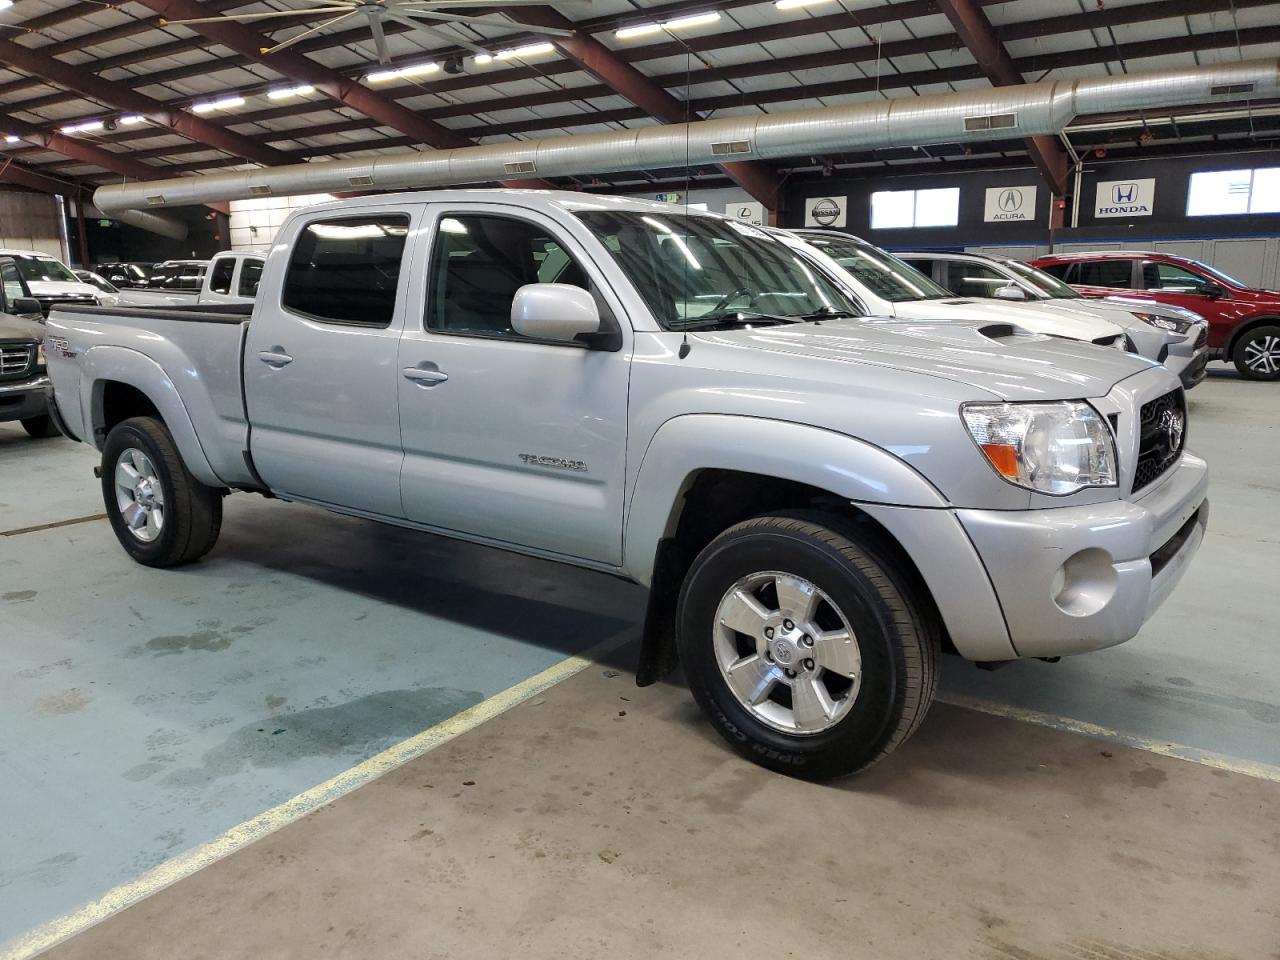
(421, 16)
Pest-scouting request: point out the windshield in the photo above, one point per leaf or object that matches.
(882, 273)
(1045, 281)
(100, 282)
(43, 268)
(697, 272)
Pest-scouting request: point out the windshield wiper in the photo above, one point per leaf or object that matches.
(826, 313)
(734, 318)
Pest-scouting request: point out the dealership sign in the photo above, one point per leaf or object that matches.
(749, 211)
(1125, 198)
(1010, 203)
(825, 211)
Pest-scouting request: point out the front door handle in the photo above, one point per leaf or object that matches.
(427, 376)
(275, 357)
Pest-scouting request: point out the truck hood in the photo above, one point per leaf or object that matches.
(1035, 317)
(995, 358)
(19, 328)
(61, 288)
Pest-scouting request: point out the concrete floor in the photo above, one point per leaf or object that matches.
(146, 712)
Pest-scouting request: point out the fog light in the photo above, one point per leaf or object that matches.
(1085, 583)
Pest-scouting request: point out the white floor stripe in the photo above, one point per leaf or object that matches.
(185, 864)
(1178, 751)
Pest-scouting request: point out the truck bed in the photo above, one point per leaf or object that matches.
(193, 312)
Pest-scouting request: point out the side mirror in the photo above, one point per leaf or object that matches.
(1010, 291)
(1213, 290)
(554, 311)
(27, 307)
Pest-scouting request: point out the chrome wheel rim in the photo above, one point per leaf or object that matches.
(139, 495)
(787, 653)
(1263, 354)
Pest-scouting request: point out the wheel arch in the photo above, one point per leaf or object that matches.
(1251, 324)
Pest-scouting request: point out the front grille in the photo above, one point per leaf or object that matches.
(1161, 437)
(72, 299)
(15, 360)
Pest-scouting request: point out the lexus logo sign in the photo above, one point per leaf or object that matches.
(1010, 203)
(825, 211)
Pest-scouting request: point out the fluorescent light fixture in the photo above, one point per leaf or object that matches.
(399, 73)
(204, 106)
(83, 127)
(529, 50)
(643, 30)
(10, 138)
(222, 103)
(483, 58)
(130, 119)
(680, 23)
(797, 4)
(5, 4)
(284, 93)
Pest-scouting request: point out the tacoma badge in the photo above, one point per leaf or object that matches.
(559, 463)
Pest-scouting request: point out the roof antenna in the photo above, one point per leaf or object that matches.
(684, 346)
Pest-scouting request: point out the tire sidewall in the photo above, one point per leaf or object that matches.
(1238, 353)
(859, 736)
(123, 437)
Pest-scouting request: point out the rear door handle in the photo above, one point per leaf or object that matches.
(275, 358)
(427, 376)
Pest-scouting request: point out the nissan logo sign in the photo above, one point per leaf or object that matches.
(825, 212)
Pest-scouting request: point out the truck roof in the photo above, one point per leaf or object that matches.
(567, 200)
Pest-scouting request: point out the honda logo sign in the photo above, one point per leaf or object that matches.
(1125, 198)
(1010, 203)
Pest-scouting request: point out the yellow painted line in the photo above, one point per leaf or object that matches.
(185, 864)
(1178, 751)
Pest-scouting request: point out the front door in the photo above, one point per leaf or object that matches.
(506, 438)
(320, 362)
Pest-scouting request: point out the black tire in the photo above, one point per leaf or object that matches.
(40, 427)
(1257, 353)
(897, 636)
(192, 511)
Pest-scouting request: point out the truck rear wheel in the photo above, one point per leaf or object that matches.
(810, 653)
(162, 515)
(40, 427)
(1257, 353)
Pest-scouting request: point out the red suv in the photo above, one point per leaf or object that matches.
(1244, 324)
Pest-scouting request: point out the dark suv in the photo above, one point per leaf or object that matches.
(1244, 323)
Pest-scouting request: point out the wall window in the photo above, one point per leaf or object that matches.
(1214, 193)
(898, 209)
(346, 270)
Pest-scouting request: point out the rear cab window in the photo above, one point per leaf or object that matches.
(250, 277)
(346, 269)
(221, 273)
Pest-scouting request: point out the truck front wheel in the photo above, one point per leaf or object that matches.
(809, 652)
(162, 515)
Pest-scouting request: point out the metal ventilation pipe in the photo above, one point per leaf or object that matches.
(995, 114)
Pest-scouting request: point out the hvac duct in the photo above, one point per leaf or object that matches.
(998, 113)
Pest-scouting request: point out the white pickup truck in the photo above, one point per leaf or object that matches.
(818, 505)
(230, 277)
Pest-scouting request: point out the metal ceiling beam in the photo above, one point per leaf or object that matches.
(123, 97)
(20, 175)
(299, 69)
(979, 36)
(593, 57)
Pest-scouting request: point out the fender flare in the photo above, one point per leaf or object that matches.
(686, 445)
(121, 364)
(1242, 329)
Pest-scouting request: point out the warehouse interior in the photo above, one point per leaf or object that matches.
(338, 729)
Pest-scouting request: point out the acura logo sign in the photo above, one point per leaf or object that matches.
(1011, 200)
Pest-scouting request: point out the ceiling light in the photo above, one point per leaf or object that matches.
(483, 58)
(82, 127)
(797, 4)
(531, 50)
(130, 119)
(284, 93)
(222, 103)
(680, 23)
(413, 70)
(10, 138)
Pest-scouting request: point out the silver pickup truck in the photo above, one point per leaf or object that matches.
(819, 504)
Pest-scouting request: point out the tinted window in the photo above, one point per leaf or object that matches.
(479, 262)
(220, 278)
(1170, 277)
(975, 279)
(346, 270)
(1059, 270)
(1105, 273)
(12, 282)
(250, 275)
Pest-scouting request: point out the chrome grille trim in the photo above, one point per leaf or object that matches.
(15, 360)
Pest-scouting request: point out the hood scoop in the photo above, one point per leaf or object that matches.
(1000, 332)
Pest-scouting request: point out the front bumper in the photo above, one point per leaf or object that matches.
(1075, 579)
(20, 401)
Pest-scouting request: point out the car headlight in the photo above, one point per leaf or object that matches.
(1176, 324)
(1054, 448)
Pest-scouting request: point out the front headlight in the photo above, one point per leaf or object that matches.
(1054, 448)
(1175, 324)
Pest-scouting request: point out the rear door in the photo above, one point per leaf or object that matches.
(320, 362)
(506, 438)
(1102, 278)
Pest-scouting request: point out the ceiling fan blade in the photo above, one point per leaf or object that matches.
(435, 34)
(483, 21)
(379, 38)
(239, 17)
(306, 33)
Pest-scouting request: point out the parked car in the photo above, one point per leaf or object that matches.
(228, 278)
(24, 381)
(885, 286)
(48, 280)
(1244, 323)
(126, 275)
(108, 294)
(177, 275)
(816, 503)
(1174, 336)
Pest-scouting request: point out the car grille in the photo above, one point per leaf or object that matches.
(73, 299)
(1161, 437)
(15, 360)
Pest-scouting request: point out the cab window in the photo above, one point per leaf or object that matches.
(250, 276)
(13, 288)
(220, 275)
(346, 270)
